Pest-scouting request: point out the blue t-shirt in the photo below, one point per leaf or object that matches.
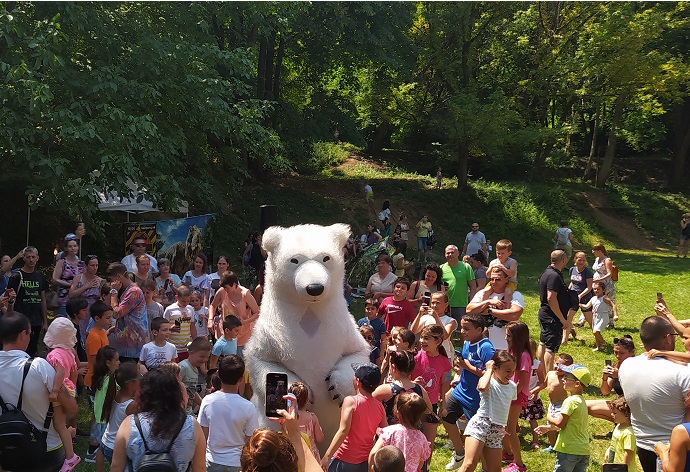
(478, 354)
(223, 347)
(377, 325)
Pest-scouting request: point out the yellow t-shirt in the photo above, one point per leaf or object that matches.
(574, 438)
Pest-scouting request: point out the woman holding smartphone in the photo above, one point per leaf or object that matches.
(623, 348)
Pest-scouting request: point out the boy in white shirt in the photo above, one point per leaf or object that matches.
(227, 419)
(180, 315)
(159, 350)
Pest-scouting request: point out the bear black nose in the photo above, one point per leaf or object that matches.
(314, 289)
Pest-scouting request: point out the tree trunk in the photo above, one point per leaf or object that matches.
(279, 66)
(463, 160)
(540, 158)
(270, 53)
(676, 179)
(606, 166)
(381, 136)
(593, 145)
(261, 69)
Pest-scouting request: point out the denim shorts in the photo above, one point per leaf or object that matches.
(107, 453)
(570, 462)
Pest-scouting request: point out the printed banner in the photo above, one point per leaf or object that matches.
(179, 240)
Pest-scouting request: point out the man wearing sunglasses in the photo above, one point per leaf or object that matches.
(138, 246)
(489, 302)
(655, 390)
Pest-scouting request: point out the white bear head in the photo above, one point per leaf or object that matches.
(305, 262)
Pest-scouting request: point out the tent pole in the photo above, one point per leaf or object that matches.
(28, 218)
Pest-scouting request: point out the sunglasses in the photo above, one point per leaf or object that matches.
(91, 257)
(139, 244)
(369, 338)
(623, 341)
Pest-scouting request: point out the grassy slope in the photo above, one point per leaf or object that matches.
(525, 213)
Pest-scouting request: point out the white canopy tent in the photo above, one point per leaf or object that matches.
(137, 204)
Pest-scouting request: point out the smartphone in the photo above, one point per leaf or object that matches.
(426, 299)
(445, 284)
(659, 296)
(458, 353)
(614, 467)
(178, 323)
(276, 389)
(607, 362)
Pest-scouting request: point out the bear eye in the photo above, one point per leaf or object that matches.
(326, 259)
(294, 261)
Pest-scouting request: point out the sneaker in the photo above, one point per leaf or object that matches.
(455, 462)
(70, 464)
(548, 449)
(507, 457)
(90, 457)
(513, 467)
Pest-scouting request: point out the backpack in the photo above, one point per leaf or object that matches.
(22, 445)
(614, 271)
(154, 461)
(431, 239)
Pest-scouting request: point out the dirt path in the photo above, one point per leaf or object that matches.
(616, 223)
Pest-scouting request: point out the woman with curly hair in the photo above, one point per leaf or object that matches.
(161, 419)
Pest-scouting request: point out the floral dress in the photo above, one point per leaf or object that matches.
(68, 273)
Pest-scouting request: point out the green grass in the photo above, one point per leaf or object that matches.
(526, 213)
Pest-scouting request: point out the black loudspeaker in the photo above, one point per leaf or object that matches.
(269, 216)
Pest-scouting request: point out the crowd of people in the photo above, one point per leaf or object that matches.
(160, 359)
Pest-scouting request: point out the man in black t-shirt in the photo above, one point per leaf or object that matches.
(555, 302)
(30, 287)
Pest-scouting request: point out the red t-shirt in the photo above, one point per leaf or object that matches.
(366, 418)
(432, 370)
(396, 313)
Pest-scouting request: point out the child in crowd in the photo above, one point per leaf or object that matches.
(401, 339)
(308, 421)
(485, 430)
(153, 308)
(623, 446)
(180, 316)
(106, 363)
(572, 444)
(431, 369)
(159, 350)
(200, 318)
(405, 434)
(102, 316)
(193, 372)
(535, 408)
(119, 403)
(371, 318)
(602, 307)
(517, 336)
(375, 356)
(504, 249)
(60, 338)
(402, 364)
(556, 393)
(397, 310)
(360, 416)
(77, 310)
(437, 313)
(464, 399)
(388, 459)
(226, 418)
(227, 343)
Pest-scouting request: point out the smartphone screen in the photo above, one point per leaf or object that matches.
(614, 468)
(426, 299)
(276, 389)
(659, 296)
(607, 362)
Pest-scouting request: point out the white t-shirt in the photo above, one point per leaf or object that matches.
(474, 242)
(562, 237)
(230, 419)
(184, 317)
(655, 390)
(200, 320)
(37, 387)
(202, 284)
(495, 402)
(211, 278)
(131, 263)
(152, 356)
(118, 413)
(497, 335)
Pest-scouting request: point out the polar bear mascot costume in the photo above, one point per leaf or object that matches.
(305, 329)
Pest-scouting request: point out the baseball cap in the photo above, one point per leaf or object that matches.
(580, 372)
(71, 237)
(368, 374)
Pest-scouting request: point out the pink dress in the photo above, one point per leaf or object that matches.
(411, 442)
(308, 429)
(66, 359)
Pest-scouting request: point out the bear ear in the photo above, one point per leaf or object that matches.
(271, 238)
(340, 233)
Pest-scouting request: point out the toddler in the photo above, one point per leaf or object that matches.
(405, 435)
(200, 318)
(504, 249)
(535, 408)
(153, 308)
(601, 307)
(375, 356)
(308, 421)
(623, 447)
(60, 338)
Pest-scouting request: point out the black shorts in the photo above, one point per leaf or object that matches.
(455, 410)
(551, 333)
(431, 417)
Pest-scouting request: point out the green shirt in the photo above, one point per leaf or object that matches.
(457, 277)
(623, 439)
(99, 400)
(574, 438)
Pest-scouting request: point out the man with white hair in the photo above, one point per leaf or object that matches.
(458, 276)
